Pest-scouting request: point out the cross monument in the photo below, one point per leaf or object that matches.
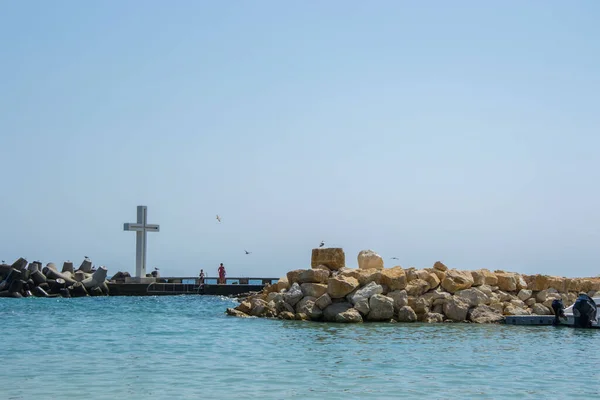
(140, 228)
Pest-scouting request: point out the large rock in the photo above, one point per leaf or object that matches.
(323, 302)
(484, 277)
(417, 287)
(365, 292)
(473, 297)
(98, 277)
(294, 275)
(524, 294)
(340, 286)
(394, 278)
(293, 295)
(456, 309)
(433, 280)
(362, 306)
(368, 259)
(333, 258)
(313, 276)
(364, 276)
(382, 308)
(282, 284)
(406, 314)
(540, 309)
(484, 315)
(313, 289)
(400, 298)
(456, 280)
(513, 310)
(440, 266)
(86, 266)
(341, 312)
(308, 307)
(507, 281)
(236, 313)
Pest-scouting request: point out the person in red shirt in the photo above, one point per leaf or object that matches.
(221, 274)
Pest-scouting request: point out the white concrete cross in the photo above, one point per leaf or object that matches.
(140, 228)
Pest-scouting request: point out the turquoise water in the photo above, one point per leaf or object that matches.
(184, 347)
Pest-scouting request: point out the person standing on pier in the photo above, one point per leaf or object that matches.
(201, 277)
(221, 274)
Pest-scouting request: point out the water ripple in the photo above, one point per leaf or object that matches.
(185, 347)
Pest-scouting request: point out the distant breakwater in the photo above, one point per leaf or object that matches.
(330, 292)
(24, 279)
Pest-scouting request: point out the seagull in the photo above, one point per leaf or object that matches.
(218, 218)
(322, 243)
(156, 269)
(248, 252)
(3, 261)
(86, 257)
(394, 258)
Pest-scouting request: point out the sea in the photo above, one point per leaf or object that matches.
(186, 347)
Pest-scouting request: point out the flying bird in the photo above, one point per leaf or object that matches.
(248, 252)
(218, 218)
(394, 258)
(322, 243)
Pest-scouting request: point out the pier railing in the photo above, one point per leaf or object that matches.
(214, 280)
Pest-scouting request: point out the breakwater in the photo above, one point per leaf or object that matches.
(23, 279)
(330, 292)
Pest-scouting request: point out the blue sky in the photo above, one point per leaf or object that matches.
(459, 131)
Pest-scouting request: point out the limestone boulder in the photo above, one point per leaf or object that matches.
(484, 277)
(286, 315)
(362, 306)
(524, 294)
(340, 312)
(485, 315)
(456, 309)
(400, 298)
(293, 295)
(339, 286)
(236, 313)
(537, 282)
(333, 258)
(440, 266)
(456, 280)
(364, 276)
(540, 296)
(382, 308)
(259, 308)
(514, 310)
(473, 297)
(323, 302)
(313, 289)
(293, 276)
(406, 314)
(275, 297)
(282, 306)
(422, 304)
(394, 278)
(433, 280)
(282, 284)
(368, 259)
(417, 287)
(365, 292)
(244, 307)
(507, 281)
(307, 306)
(540, 309)
(411, 274)
(530, 302)
(313, 276)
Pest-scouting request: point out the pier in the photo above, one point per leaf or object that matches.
(189, 285)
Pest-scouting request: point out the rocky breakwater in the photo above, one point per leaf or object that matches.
(330, 292)
(23, 279)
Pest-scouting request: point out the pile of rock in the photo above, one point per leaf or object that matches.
(23, 279)
(331, 292)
